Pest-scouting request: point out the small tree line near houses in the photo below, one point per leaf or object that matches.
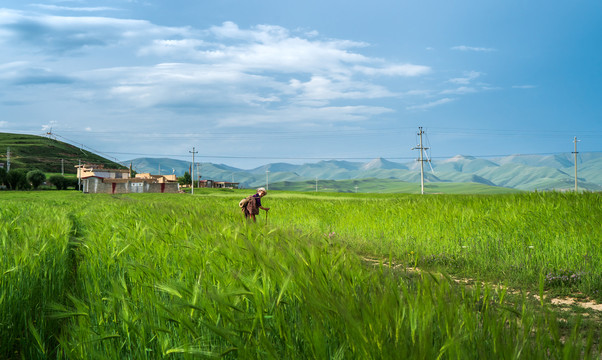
(23, 179)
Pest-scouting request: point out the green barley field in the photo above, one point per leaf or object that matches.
(324, 276)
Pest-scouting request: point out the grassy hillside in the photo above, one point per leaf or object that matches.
(42, 153)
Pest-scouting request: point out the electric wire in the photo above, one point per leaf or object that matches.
(112, 154)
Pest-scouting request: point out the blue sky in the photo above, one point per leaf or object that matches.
(252, 82)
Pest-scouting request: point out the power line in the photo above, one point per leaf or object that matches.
(296, 134)
(211, 156)
(331, 158)
(109, 154)
(81, 146)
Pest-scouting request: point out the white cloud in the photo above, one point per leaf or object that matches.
(3, 123)
(68, 8)
(473, 48)
(395, 70)
(274, 49)
(12, 65)
(258, 74)
(467, 78)
(524, 86)
(307, 115)
(423, 93)
(260, 67)
(48, 127)
(459, 91)
(430, 104)
(312, 33)
(321, 88)
(61, 35)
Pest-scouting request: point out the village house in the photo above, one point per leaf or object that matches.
(218, 184)
(158, 178)
(96, 179)
(225, 185)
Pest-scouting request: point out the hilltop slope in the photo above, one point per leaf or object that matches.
(45, 154)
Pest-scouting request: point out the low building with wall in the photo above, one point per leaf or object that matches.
(206, 183)
(158, 178)
(99, 185)
(87, 170)
(225, 185)
(218, 184)
(97, 179)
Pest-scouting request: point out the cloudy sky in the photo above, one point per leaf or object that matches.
(249, 82)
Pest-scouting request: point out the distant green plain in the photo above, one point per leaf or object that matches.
(372, 185)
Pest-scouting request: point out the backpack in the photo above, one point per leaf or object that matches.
(245, 201)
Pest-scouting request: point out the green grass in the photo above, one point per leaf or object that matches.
(149, 276)
(510, 237)
(66, 175)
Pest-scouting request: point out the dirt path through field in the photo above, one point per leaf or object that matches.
(564, 303)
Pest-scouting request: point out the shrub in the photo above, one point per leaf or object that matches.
(59, 181)
(36, 178)
(186, 179)
(16, 179)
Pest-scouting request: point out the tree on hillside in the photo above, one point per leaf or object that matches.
(36, 178)
(16, 179)
(59, 181)
(186, 179)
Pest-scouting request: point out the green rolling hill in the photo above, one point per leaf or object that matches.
(49, 155)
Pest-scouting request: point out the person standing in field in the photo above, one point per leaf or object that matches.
(254, 204)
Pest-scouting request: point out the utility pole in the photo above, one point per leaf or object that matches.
(267, 186)
(7, 159)
(79, 173)
(192, 168)
(63, 167)
(356, 189)
(421, 159)
(575, 152)
(316, 184)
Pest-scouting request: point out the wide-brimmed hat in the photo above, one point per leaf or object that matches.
(262, 189)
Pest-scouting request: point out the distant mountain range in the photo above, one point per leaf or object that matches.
(522, 172)
(519, 172)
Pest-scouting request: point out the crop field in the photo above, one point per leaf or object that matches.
(324, 276)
